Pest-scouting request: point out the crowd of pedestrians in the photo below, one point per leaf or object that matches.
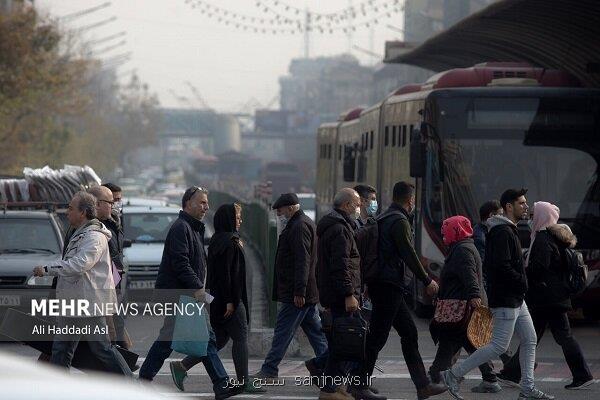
(347, 269)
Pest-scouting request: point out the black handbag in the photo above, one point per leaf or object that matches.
(349, 338)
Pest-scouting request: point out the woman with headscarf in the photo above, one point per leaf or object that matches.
(226, 280)
(461, 280)
(548, 297)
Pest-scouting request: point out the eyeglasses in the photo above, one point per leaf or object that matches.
(196, 189)
(107, 201)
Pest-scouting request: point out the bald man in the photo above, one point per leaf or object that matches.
(104, 208)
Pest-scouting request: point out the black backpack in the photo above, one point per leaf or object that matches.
(367, 238)
(578, 271)
(367, 241)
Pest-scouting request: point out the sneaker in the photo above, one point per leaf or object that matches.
(452, 383)
(178, 373)
(363, 393)
(487, 387)
(431, 390)
(577, 385)
(263, 377)
(250, 388)
(508, 380)
(535, 394)
(334, 396)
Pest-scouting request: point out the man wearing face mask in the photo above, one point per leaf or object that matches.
(396, 252)
(295, 286)
(368, 203)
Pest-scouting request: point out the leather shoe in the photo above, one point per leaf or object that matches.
(431, 390)
(365, 394)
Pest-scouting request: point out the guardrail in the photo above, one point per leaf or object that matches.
(261, 233)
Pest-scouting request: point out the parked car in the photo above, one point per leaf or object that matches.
(27, 239)
(307, 203)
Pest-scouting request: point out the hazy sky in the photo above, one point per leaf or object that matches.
(172, 43)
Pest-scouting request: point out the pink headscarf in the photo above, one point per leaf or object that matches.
(544, 215)
(455, 229)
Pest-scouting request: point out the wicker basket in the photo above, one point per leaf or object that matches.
(480, 327)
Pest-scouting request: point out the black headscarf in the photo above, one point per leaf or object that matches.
(224, 224)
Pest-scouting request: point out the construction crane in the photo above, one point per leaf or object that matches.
(199, 98)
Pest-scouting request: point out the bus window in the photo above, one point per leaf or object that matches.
(349, 163)
(329, 151)
(387, 136)
(340, 153)
(394, 136)
(403, 135)
(371, 140)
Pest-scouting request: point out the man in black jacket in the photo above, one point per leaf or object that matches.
(338, 270)
(295, 286)
(507, 286)
(395, 253)
(183, 268)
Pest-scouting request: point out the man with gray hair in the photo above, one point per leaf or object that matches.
(338, 269)
(85, 273)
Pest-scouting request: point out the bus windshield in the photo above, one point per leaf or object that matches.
(549, 146)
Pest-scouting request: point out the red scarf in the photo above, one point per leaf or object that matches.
(455, 229)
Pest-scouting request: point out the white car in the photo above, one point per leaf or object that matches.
(147, 228)
(307, 204)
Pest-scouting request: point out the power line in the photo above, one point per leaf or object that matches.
(108, 48)
(106, 39)
(96, 25)
(77, 14)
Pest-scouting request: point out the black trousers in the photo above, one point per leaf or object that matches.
(561, 331)
(390, 310)
(448, 346)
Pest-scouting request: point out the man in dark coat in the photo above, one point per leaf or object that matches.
(183, 268)
(294, 285)
(395, 253)
(338, 274)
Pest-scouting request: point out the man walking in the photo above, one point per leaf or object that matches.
(104, 210)
(85, 273)
(295, 287)
(183, 268)
(339, 275)
(507, 285)
(386, 290)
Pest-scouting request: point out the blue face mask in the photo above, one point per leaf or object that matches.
(372, 208)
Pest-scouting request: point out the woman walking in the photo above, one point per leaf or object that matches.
(548, 296)
(229, 315)
(461, 282)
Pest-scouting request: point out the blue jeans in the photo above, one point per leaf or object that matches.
(507, 321)
(161, 350)
(289, 319)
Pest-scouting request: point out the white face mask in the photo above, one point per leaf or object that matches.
(357, 213)
(283, 220)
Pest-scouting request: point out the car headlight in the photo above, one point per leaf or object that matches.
(40, 281)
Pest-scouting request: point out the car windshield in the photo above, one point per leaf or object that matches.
(148, 227)
(28, 235)
(538, 144)
(307, 203)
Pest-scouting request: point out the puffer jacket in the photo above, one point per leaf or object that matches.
(461, 275)
(85, 271)
(547, 271)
